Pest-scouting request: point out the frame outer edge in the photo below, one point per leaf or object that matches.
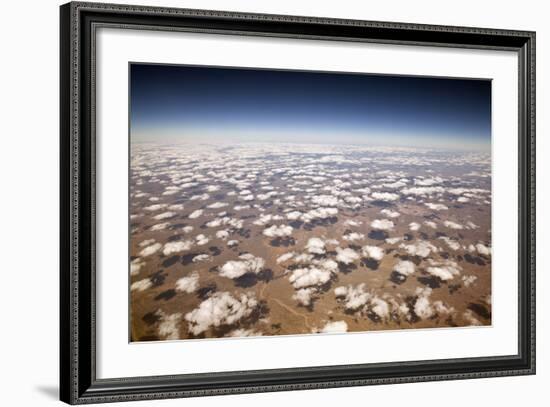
(70, 198)
(189, 12)
(70, 392)
(533, 196)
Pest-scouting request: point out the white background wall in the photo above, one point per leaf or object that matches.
(29, 163)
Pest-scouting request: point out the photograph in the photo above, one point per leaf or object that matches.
(290, 202)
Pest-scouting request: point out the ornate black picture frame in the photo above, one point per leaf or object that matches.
(78, 380)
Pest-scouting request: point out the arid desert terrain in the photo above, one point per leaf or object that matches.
(275, 239)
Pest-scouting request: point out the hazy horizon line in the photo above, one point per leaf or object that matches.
(461, 147)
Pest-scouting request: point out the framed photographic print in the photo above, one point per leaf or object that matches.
(257, 203)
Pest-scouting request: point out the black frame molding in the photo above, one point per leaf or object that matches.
(78, 382)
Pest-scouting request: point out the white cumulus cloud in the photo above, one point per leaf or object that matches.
(195, 214)
(315, 245)
(404, 267)
(188, 284)
(247, 263)
(220, 309)
(436, 206)
(346, 256)
(278, 231)
(335, 327)
(382, 224)
(149, 250)
(176, 247)
(385, 196)
(373, 252)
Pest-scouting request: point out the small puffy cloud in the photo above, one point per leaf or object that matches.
(351, 222)
(149, 250)
(231, 243)
(176, 247)
(334, 327)
(389, 213)
(201, 257)
(354, 200)
(222, 234)
(169, 325)
(346, 256)
(426, 182)
(396, 184)
(247, 263)
(385, 196)
(393, 240)
(195, 214)
(220, 309)
(278, 231)
(304, 296)
(263, 197)
(202, 197)
(170, 192)
(453, 225)
(294, 215)
(141, 285)
(468, 280)
(414, 226)
(423, 191)
(164, 215)
(309, 276)
(160, 226)
(135, 266)
(423, 308)
(147, 242)
(482, 249)
(327, 264)
(352, 297)
(202, 239)
(241, 332)
(420, 249)
(265, 219)
(214, 223)
(436, 206)
(445, 270)
(441, 308)
(188, 284)
(315, 245)
(380, 307)
(354, 236)
(325, 200)
(382, 224)
(453, 244)
(404, 267)
(285, 257)
(319, 213)
(155, 207)
(372, 252)
(463, 199)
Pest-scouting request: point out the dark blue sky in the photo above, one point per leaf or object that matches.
(189, 103)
